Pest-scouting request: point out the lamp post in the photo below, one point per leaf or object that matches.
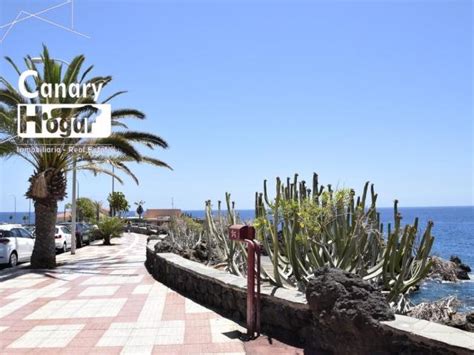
(73, 208)
(111, 212)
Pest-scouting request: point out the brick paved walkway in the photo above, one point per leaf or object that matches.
(103, 301)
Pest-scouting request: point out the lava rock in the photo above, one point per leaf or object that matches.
(164, 246)
(462, 270)
(449, 270)
(346, 310)
(200, 252)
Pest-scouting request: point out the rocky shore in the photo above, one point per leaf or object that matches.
(445, 312)
(449, 270)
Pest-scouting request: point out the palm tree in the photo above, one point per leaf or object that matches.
(98, 207)
(47, 184)
(140, 208)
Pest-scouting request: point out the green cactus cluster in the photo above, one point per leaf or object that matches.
(303, 228)
(216, 231)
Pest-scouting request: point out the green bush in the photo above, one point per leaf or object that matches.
(109, 227)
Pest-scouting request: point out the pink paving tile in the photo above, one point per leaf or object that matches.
(87, 338)
(166, 350)
(265, 345)
(233, 347)
(174, 307)
(198, 334)
(86, 351)
(132, 308)
(42, 351)
(197, 323)
(201, 316)
(125, 290)
(9, 336)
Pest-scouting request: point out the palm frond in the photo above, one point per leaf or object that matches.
(149, 160)
(127, 113)
(121, 145)
(121, 166)
(119, 124)
(96, 169)
(112, 96)
(85, 73)
(7, 149)
(156, 162)
(143, 137)
(10, 98)
(73, 70)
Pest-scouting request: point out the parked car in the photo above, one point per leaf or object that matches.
(62, 238)
(30, 228)
(16, 244)
(83, 233)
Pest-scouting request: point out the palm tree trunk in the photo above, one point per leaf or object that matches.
(44, 252)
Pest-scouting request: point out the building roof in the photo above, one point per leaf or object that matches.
(160, 213)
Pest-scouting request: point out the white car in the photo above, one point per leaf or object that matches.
(62, 238)
(16, 244)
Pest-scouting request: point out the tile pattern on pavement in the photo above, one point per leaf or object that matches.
(103, 301)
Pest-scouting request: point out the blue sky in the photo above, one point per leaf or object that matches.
(243, 91)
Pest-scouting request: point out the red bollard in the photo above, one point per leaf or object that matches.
(250, 288)
(246, 234)
(258, 251)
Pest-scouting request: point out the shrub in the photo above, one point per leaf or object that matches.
(109, 227)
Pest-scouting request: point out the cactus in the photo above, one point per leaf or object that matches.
(216, 231)
(320, 226)
(303, 228)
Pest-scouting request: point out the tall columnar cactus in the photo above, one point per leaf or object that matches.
(303, 229)
(216, 231)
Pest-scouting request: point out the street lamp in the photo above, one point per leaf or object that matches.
(73, 208)
(113, 188)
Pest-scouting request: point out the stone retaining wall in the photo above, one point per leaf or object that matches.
(286, 315)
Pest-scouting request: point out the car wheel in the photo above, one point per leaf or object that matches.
(64, 247)
(13, 260)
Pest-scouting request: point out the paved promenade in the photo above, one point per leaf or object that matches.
(103, 301)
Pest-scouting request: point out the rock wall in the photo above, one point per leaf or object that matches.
(343, 314)
(284, 313)
(352, 316)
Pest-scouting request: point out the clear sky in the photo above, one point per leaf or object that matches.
(248, 90)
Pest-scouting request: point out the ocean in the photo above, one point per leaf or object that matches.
(453, 230)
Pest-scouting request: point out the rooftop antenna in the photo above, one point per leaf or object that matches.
(172, 203)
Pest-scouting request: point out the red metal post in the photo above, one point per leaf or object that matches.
(258, 250)
(245, 233)
(250, 287)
